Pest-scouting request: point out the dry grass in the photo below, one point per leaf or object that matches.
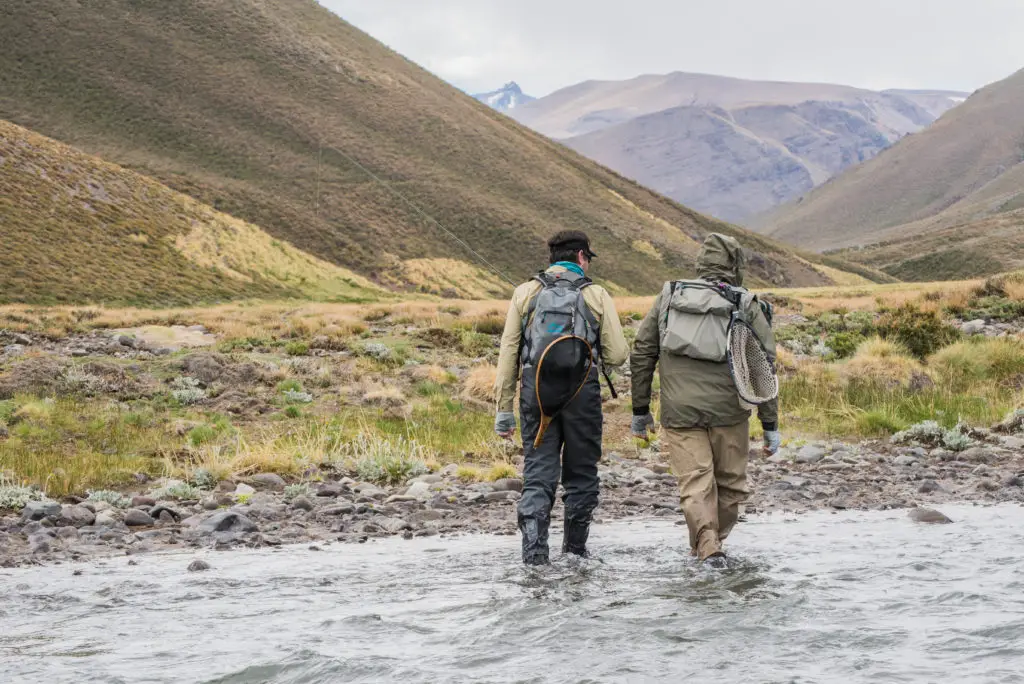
(882, 363)
(479, 384)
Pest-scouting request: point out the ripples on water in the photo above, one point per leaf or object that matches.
(822, 598)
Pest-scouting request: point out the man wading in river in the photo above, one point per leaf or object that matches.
(559, 303)
(706, 425)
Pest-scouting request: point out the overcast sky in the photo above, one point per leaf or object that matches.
(547, 44)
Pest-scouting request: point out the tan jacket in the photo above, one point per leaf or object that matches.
(614, 349)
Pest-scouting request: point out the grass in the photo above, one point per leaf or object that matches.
(257, 110)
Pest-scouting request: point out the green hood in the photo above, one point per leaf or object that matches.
(721, 259)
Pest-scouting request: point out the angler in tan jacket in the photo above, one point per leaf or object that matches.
(706, 428)
(571, 446)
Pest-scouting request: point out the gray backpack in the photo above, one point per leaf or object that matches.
(558, 310)
(695, 316)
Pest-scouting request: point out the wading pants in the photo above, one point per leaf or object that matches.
(711, 466)
(569, 451)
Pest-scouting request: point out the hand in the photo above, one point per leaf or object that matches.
(641, 424)
(505, 424)
(772, 442)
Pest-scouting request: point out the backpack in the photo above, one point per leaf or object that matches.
(695, 316)
(556, 311)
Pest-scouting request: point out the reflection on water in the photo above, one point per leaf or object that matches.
(822, 598)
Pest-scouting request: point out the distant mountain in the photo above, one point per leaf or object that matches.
(948, 202)
(730, 147)
(506, 98)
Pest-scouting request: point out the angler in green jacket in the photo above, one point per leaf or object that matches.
(706, 424)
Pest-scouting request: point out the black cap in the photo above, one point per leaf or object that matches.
(575, 240)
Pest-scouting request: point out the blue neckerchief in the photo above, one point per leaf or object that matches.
(569, 266)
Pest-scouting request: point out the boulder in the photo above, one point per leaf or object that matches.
(77, 516)
(929, 516)
(227, 521)
(135, 517)
(271, 481)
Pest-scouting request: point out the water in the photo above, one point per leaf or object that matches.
(859, 597)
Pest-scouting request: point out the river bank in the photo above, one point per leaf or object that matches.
(264, 511)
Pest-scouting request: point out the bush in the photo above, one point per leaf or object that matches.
(929, 433)
(204, 479)
(201, 434)
(501, 471)
(289, 385)
(177, 490)
(293, 412)
(186, 391)
(981, 360)
(387, 460)
(921, 332)
(882, 363)
(294, 491)
(14, 496)
(843, 344)
(474, 343)
(294, 397)
(115, 499)
(296, 349)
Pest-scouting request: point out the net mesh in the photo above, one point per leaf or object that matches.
(752, 370)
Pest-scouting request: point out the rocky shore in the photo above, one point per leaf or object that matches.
(265, 511)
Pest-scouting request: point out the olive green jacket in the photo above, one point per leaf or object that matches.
(699, 393)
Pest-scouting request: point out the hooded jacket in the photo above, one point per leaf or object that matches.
(699, 394)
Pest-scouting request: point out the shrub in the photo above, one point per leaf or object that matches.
(294, 397)
(296, 349)
(501, 471)
(474, 343)
(294, 491)
(14, 496)
(981, 360)
(177, 490)
(843, 344)
(201, 434)
(186, 391)
(293, 412)
(921, 332)
(204, 479)
(387, 460)
(929, 433)
(289, 385)
(375, 315)
(490, 325)
(115, 499)
(882, 363)
(468, 473)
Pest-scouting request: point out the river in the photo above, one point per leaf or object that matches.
(846, 597)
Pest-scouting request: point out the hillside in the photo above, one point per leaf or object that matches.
(260, 109)
(76, 229)
(966, 167)
(730, 147)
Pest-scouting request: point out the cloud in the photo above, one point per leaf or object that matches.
(549, 44)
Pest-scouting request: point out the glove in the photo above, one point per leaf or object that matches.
(772, 441)
(505, 424)
(641, 424)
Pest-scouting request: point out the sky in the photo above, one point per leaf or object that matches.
(544, 45)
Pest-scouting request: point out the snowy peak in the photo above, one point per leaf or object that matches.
(506, 98)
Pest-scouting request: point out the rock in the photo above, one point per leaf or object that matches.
(928, 486)
(928, 515)
(105, 519)
(637, 501)
(134, 517)
(244, 490)
(338, 509)
(37, 510)
(905, 460)
(330, 490)
(14, 350)
(419, 490)
(502, 496)
(71, 533)
(78, 516)
(976, 455)
(508, 484)
(400, 498)
(23, 340)
(301, 503)
(210, 504)
(810, 454)
(39, 545)
(1013, 481)
(198, 566)
(126, 341)
(986, 485)
(141, 501)
(392, 525)
(429, 478)
(473, 497)
(227, 521)
(160, 511)
(79, 353)
(271, 481)
(974, 327)
(1013, 443)
(206, 368)
(780, 456)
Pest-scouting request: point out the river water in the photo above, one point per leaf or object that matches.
(853, 597)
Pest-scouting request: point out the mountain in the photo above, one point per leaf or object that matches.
(963, 173)
(730, 147)
(76, 229)
(285, 116)
(506, 98)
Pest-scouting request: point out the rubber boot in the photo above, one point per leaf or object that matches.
(535, 540)
(574, 536)
(716, 561)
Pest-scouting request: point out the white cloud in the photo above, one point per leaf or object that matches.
(549, 44)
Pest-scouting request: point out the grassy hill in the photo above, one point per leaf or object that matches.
(966, 167)
(259, 109)
(76, 229)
